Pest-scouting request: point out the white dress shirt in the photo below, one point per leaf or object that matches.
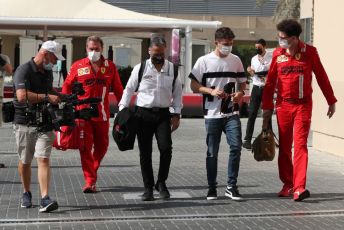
(259, 64)
(155, 88)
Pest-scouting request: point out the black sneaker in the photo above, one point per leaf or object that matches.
(247, 144)
(26, 200)
(162, 189)
(48, 205)
(233, 193)
(212, 194)
(148, 195)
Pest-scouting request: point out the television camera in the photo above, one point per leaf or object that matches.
(52, 117)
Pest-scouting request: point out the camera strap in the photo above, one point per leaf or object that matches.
(28, 114)
(27, 98)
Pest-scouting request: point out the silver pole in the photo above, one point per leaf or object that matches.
(188, 57)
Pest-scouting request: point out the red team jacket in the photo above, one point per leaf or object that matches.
(95, 85)
(293, 76)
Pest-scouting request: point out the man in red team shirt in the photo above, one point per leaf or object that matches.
(98, 76)
(291, 72)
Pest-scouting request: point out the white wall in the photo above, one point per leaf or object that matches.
(328, 134)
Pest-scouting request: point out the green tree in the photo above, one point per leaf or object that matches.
(245, 53)
(285, 9)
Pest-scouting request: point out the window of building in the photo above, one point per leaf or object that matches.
(122, 57)
(307, 30)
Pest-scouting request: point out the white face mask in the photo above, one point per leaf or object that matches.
(225, 50)
(283, 43)
(93, 56)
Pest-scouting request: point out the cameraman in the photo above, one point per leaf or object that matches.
(33, 84)
(98, 76)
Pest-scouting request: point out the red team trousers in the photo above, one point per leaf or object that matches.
(294, 120)
(96, 142)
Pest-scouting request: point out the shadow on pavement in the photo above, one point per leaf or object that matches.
(13, 182)
(79, 166)
(314, 198)
(144, 206)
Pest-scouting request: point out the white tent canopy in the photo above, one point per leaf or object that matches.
(78, 14)
(91, 15)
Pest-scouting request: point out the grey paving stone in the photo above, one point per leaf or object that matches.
(174, 195)
(120, 177)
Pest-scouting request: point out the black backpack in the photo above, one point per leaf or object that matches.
(124, 129)
(142, 68)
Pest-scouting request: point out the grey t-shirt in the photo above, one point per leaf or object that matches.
(28, 77)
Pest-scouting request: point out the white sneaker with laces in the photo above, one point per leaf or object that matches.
(233, 193)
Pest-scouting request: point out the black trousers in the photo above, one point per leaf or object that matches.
(154, 122)
(255, 101)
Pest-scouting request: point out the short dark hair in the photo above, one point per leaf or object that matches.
(95, 39)
(224, 33)
(261, 41)
(290, 27)
(157, 41)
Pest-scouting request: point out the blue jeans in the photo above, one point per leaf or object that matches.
(231, 126)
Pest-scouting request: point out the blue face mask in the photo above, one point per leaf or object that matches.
(48, 66)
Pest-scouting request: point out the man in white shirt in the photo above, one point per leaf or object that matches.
(216, 75)
(259, 68)
(159, 103)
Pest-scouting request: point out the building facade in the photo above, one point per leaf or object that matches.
(328, 134)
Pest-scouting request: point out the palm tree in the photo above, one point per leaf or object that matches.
(285, 9)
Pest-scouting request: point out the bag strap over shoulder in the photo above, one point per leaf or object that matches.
(142, 68)
(175, 75)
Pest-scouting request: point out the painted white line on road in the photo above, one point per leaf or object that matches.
(137, 196)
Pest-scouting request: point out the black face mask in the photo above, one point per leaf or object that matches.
(157, 60)
(259, 51)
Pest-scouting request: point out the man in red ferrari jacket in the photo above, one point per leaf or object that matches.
(98, 76)
(291, 72)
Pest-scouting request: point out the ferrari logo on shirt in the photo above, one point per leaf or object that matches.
(83, 71)
(282, 58)
(102, 70)
(298, 56)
